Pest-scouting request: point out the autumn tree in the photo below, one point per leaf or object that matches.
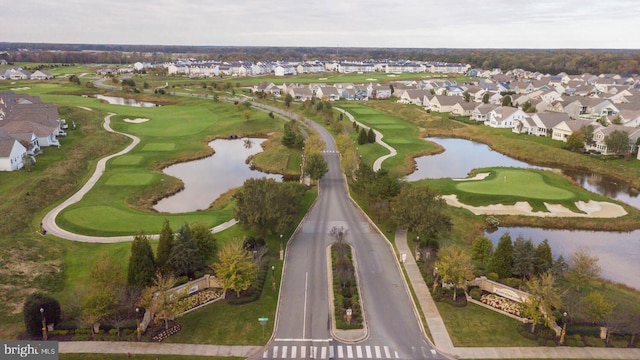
(547, 294)
(582, 269)
(313, 144)
(235, 267)
(141, 262)
(422, 210)
(157, 298)
(454, 266)
(597, 308)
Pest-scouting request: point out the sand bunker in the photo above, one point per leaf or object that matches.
(593, 209)
(480, 176)
(20, 89)
(136, 121)
(85, 108)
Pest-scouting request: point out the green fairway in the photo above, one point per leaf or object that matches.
(402, 135)
(515, 182)
(158, 147)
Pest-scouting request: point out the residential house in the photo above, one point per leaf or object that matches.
(504, 117)
(41, 75)
(442, 103)
(600, 134)
(378, 92)
(413, 96)
(481, 112)
(463, 108)
(301, 94)
(539, 124)
(328, 93)
(12, 152)
(567, 127)
(14, 73)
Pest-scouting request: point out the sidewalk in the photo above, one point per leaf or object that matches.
(443, 341)
(122, 347)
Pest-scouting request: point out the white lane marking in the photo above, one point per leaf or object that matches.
(358, 351)
(304, 311)
(387, 354)
(377, 350)
(368, 349)
(284, 352)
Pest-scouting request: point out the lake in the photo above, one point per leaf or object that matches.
(618, 252)
(113, 100)
(208, 178)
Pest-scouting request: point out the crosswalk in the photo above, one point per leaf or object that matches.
(329, 352)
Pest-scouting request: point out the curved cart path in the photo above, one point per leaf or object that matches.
(49, 221)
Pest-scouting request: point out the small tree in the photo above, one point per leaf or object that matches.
(575, 141)
(597, 308)
(315, 166)
(617, 142)
(544, 258)
(287, 100)
(247, 115)
(204, 240)
(362, 137)
(583, 268)
(33, 317)
(165, 244)
(545, 291)
(485, 98)
(371, 136)
(481, 250)
(454, 266)
(502, 260)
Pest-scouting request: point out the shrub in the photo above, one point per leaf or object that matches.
(475, 293)
(32, 315)
(59, 332)
(550, 343)
(593, 341)
(493, 276)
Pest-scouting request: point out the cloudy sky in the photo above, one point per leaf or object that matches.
(609, 24)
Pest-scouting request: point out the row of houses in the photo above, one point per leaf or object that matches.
(194, 68)
(18, 73)
(26, 126)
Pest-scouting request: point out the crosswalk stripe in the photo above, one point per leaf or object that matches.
(349, 352)
(294, 350)
(265, 354)
(314, 351)
(378, 354)
(323, 352)
(303, 351)
(397, 356)
(331, 352)
(387, 354)
(368, 349)
(340, 352)
(275, 351)
(284, 351)
(358, 352)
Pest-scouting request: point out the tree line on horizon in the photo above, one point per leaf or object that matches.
(551, 61)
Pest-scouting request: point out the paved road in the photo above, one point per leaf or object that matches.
(303, 326)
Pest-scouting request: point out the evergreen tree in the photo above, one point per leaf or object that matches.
(362, 137)
(204, 240)
(32, 315)
(141, 263)
(481, 250)
(371, 136)
(544, 258)
(502, 258)
(315, 166)
(523, 258)
(185, 258)
(165, 245)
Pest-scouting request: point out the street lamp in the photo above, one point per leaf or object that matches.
(44, 325)
(564, 327)
(138, 323)
(280, 241)
(273, 270)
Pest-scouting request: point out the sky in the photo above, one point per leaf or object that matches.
(540, 24)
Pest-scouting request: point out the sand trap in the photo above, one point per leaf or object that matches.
(480, 176)
(136, 121)
(323, 78)
(20, 89)
(85, 108)
(593, 209)
(370, 79)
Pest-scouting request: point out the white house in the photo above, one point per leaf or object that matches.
(463, 108)
(41, 75)
(481, 112)
(328, 93)
(444, 103)
(565, 128)
(601, 133)
(504, 117)
(11, 152)
(540, 124)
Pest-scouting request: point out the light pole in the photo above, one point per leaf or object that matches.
(564, 327)
(138, 323)
(44, 325)
(435, 278)
(281, 249)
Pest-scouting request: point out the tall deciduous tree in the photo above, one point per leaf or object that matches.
(582, 269)
(141, 262)
(267, 206)
(481, 250)
(315, 166)
(165, 244)
(422, 210)
(597, 308)
(235, 267)
(454, 266)
(502, 260)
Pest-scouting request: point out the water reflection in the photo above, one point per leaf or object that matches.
(206, 179)
(605, 185)
(459, 158)
(113, 100)
(618, 253)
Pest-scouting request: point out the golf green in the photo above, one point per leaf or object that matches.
(515, 182)
(130, 179)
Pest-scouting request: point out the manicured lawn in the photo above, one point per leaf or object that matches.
(474, 325)
(515, 182)
(398, 133)
(174, 133)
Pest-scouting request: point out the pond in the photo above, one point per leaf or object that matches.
(208, 178)
(618, 253)
(113, 100)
